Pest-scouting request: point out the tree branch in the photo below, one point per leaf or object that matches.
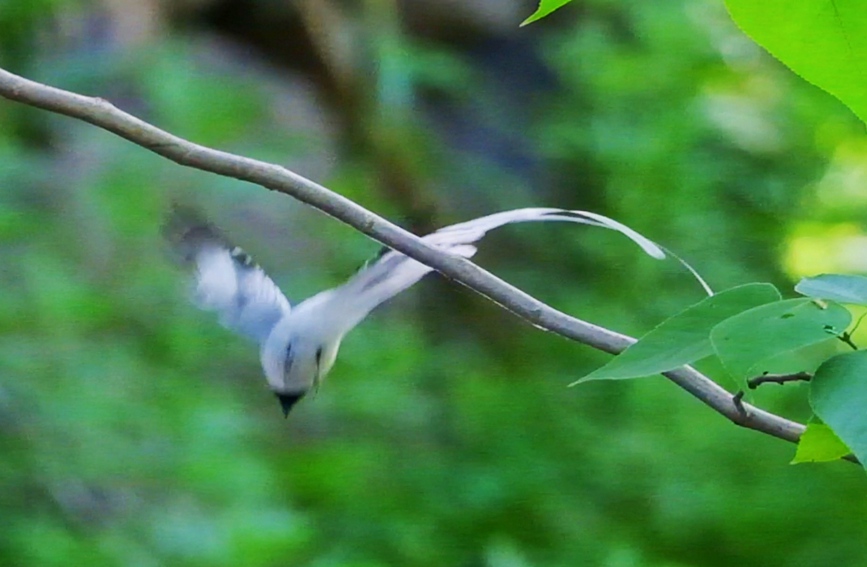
(104, 115)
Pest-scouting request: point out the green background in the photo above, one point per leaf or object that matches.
(134, 430)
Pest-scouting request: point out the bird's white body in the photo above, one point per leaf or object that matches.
(298, 345)
(301, 348)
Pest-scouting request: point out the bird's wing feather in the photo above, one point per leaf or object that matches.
(227, 280)
(393, 272)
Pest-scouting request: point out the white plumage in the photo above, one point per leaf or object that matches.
(298, 345)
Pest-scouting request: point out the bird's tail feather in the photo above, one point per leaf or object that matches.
(472, 231)
(477, 228)
(392, 272)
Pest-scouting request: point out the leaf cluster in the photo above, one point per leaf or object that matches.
(755, 334)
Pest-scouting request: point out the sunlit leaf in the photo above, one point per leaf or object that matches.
(823, 41)
(747, 342)
(838, 395)
(835, 287)
(685, 337)
(818, 444)
(545, 8)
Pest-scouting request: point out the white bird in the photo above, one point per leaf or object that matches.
(298, 345)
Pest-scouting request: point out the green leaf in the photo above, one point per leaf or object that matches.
(685, 337)
(819, 444)
(838, 395)
(835, 287)
(545, 8)
(747, 342)
(823, 41)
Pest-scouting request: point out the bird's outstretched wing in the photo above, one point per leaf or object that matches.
(227, 280)
(392, 272)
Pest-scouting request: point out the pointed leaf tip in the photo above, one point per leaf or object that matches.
(545, 8)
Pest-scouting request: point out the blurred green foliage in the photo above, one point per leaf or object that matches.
(136, 431)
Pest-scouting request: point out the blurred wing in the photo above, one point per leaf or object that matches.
(227, 280)
(392, 272)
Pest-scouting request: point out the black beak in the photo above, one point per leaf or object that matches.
(287, 401)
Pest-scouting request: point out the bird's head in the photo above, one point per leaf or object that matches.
(294, 365)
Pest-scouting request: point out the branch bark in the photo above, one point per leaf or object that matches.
(104, 115)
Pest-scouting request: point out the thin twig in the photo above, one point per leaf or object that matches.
(101, 113)
(847, 338)
(780, 379)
